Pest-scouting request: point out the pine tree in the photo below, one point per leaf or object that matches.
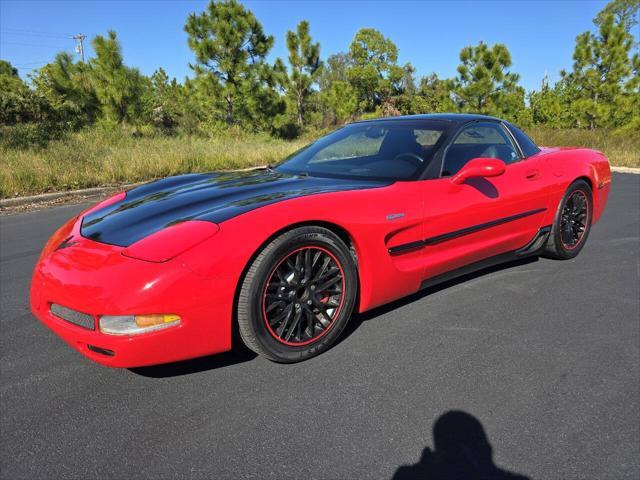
(625, 12)
(627, 105)
(335, 68)
(338, 102)
(118, 88)
(230, 45)
(374, 71)
(337, 99)
(68, 86)
(434, 95)
(9, 79)
(546, 107)
(304, 58)
(484, 85)
(165, 101)
(601, 67)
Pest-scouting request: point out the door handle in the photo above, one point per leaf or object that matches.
(532, 174)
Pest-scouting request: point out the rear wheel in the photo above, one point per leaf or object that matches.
(297, 295)
(572, 223)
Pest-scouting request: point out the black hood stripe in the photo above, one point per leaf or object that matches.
(213, 197)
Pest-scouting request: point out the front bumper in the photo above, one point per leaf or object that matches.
(96, 279)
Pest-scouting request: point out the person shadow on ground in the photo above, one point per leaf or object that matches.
(461, 452)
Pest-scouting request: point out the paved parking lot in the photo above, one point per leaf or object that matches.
(537, 363)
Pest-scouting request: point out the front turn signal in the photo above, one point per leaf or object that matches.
(144, 321)
(136, 324)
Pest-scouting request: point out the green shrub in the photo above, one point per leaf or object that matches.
(30, 135)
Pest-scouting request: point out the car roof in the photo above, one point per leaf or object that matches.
(445, 117)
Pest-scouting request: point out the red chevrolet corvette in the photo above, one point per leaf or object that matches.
(365, 215)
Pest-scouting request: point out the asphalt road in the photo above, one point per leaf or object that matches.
(542, 356)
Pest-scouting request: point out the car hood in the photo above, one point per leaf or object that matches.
(213, 197)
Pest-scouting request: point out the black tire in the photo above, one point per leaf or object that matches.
(282, 279)
(571, 228)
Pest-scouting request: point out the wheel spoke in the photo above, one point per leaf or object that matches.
(287, 317)
(327, 273)
(332, 303)
(329, 283)
(314, 262)
(299, 265)
(283, 280)
(310, 323)
(325, 318)
(303, 296)
(307, 265)
(294, 325)
(325, 264)
(282, 316)
(275, 304)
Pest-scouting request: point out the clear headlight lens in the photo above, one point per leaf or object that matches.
(136, 324)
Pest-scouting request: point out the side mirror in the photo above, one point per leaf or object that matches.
(479, 167)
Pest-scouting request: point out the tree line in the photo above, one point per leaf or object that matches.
(235, 86)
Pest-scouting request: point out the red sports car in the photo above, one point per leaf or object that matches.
(286, 254)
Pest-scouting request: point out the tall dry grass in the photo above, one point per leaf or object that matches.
(622, 150)
(96, 157)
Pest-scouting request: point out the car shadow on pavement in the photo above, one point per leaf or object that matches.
(358, 319)
(461, 450)
(239, 354)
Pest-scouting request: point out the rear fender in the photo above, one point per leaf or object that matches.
(566, 165)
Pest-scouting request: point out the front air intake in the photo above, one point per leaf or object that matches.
(80, 319)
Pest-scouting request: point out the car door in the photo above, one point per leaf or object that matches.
(484, 216)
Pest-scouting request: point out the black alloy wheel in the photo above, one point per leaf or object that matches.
(572, 223)
(303, 296)
(297, 295)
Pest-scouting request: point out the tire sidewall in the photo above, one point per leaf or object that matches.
(278, 250)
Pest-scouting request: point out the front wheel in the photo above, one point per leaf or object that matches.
(572, 223)
(297, 295)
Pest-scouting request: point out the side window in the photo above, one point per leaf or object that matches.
(479, 140)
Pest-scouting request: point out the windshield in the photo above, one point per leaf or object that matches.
(377, 150)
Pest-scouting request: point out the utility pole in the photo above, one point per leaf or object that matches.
(79, 45)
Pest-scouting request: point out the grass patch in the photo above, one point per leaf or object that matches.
(96, 157)
(93, 158)
(622, 150)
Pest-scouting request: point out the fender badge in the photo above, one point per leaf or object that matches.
(395, 216)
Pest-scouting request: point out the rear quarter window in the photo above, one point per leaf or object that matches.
(526, 144)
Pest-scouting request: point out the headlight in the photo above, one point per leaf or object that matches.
(136, 324)
(169, 242)
(58, 237)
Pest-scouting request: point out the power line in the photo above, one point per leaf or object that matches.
(79, 38)
(37, 33)
(21, 44)
(28, 63)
